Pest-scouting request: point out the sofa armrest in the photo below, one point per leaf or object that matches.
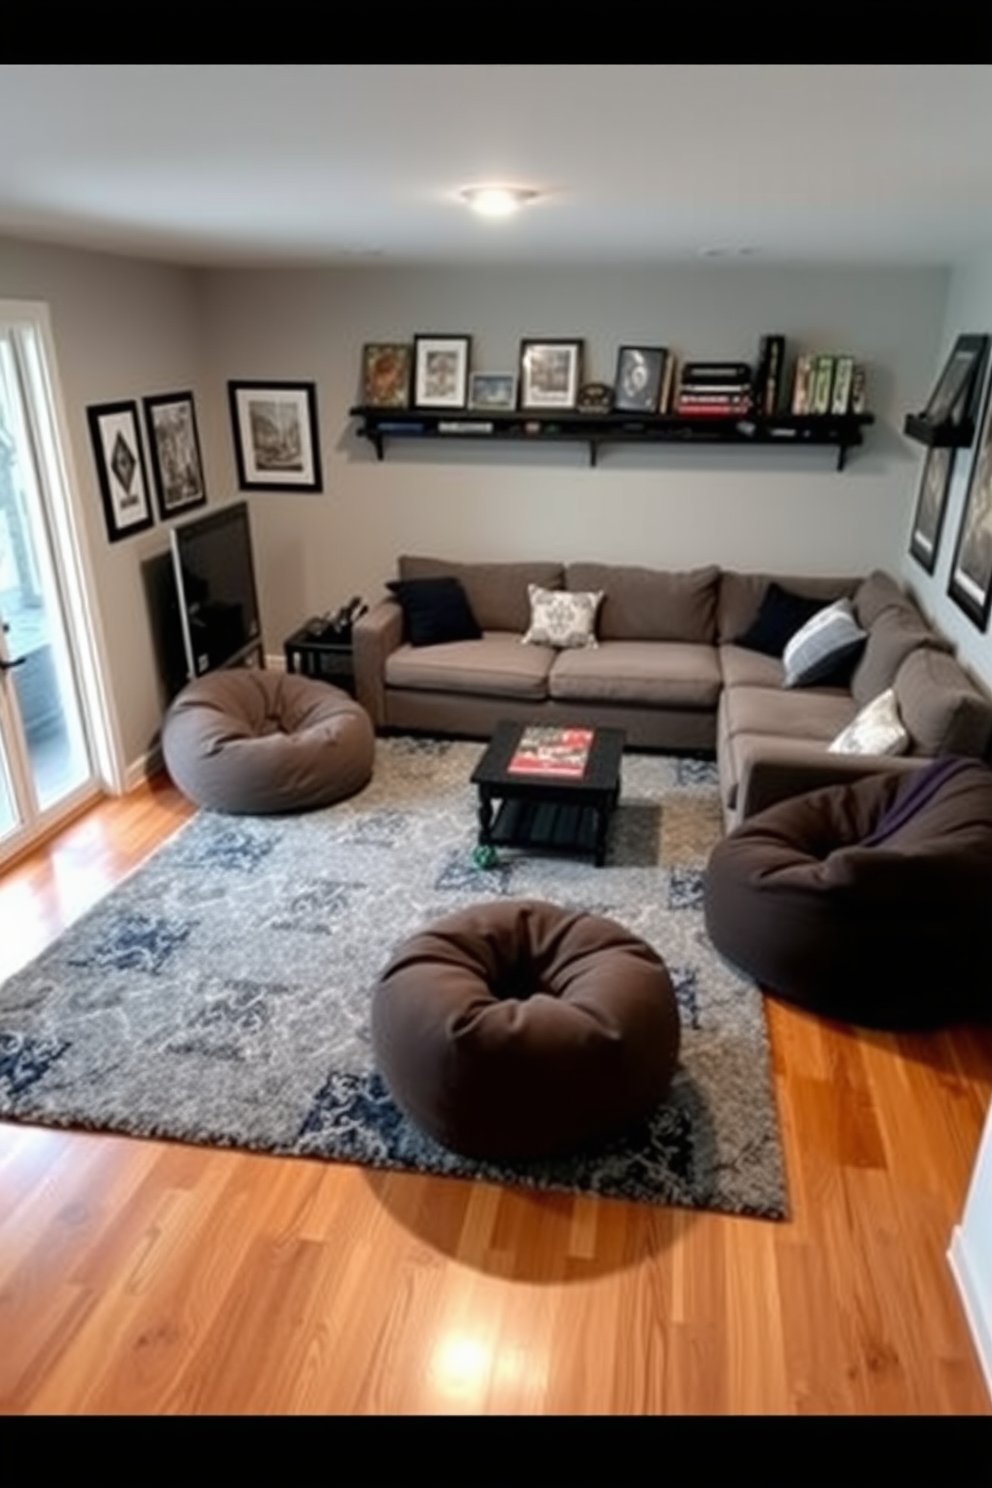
(765, 779)
(374, 636)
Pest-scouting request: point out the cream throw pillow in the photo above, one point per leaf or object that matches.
(877, 729)
(564, 618)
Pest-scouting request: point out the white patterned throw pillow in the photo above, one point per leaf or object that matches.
(823, 645)
(878, 729)
(562, 617)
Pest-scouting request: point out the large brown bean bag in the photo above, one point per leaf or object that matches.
(253, 742)
(869, 902)
(517, 1029)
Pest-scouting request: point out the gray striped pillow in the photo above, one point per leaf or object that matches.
(832, 637)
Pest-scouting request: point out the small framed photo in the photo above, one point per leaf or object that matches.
(493, 390)
(120, 466)
(440, 371)
(970, 583)
(275, 435)
(640, 373)
(951, 400)
(931, 504)
(550, 374)
(386, 374)
(174, 443)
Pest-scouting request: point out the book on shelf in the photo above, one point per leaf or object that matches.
(545, 750)
(725, 403)
(801, 385)
(667, 383)
(719, 372)
(840, 398)
(858, 394)
(768, 381)
(823, 381)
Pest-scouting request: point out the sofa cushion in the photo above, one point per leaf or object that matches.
(816, 715)
(434, 611)
(562, 618)
(743, 668)
(497, 666)
(878, 592)
(740, 595)
(661, 673)
(943, 711)
(824, 648)
(497, 592)
(649, 604)
(780, 614)
(877, 729)
(891, 639)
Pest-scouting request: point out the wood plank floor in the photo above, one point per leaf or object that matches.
(153, 1277)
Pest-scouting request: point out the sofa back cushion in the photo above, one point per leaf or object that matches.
(942, 709)
(893, 636)
(878, 592)
(497, 592)
(650, 604)
(741, 594)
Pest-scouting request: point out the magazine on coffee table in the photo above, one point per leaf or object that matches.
(544, 750)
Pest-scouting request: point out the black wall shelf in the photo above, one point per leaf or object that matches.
(380, 425)
(939, 436)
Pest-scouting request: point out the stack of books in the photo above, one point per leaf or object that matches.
(720, 389)
(827, 384)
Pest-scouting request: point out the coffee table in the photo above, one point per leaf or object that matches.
(547, 813)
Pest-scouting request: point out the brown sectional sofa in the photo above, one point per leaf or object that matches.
(668, 671)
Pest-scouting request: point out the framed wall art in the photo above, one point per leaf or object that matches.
(492, 390)
(970, 584)
(275, 435)
(952, 397)
(550, 374)
(440, 371)
(640, 371)
(120, 466)
(931, 503)
(386, 374)
(174, 446)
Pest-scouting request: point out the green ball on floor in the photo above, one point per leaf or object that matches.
(484, 857)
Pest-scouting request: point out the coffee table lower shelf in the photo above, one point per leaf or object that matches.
(547, 826)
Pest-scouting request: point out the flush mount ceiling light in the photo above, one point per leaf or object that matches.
(497, 201)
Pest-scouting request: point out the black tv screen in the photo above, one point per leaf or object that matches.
(215, 588)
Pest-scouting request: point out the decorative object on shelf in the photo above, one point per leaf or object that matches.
(970, 583)
(640, 374)
(595, 397)
(177, 465)
(275, 435)
(386, 373)
(550, 373)
(493, 390)
(952, 408)
(120, 465)
(931, 504)
(440, 371)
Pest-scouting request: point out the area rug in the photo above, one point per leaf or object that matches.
(220, 995)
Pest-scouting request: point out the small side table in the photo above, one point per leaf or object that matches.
(330, 660)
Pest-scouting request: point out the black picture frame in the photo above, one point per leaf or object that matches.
(276, 441)
(640, 374)
(174, 450)
(970, 582)
(550, 374)
(386, 369)
(958, 387)
(931, 505)
(440, 371)
(121, 468)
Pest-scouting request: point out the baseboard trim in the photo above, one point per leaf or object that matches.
(142, 769)
(963, 1271)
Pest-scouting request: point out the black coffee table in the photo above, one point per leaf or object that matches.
(547, 813)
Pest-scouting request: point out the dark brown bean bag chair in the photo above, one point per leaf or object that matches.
(517, 1029)
(255, 742)
(868, 902)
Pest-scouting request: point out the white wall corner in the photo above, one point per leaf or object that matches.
(976, 1305)
(141, 770)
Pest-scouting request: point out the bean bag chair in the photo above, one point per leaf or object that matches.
(868, 902)
(518, 1029)
(253, 742)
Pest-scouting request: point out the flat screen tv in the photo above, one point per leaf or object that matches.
(215, 589)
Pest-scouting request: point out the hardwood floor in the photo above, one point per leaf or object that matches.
(152, 1277)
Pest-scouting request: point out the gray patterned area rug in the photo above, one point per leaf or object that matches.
(220, 995)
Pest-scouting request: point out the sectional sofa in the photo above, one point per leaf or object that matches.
(669, 669)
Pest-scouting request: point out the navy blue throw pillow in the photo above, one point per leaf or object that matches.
(781, 614)
(435, 610)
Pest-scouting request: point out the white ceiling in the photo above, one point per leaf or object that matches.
(326, 164)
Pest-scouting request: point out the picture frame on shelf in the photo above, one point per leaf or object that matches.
(120, 467)
(495, 391)
(174, 448)
(440, 371)
(275, 431)
(931, 505)
(639, 379)
(950, 399)
(386, 367)
(550, 374)
(970, 583)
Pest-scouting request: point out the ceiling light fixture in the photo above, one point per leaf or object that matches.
(497, 201)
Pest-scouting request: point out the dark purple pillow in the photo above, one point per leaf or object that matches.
(780, 615)
(435, 611)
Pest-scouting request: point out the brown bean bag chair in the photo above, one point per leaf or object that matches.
(517, 1029)
(867, 902)
(254, 742)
